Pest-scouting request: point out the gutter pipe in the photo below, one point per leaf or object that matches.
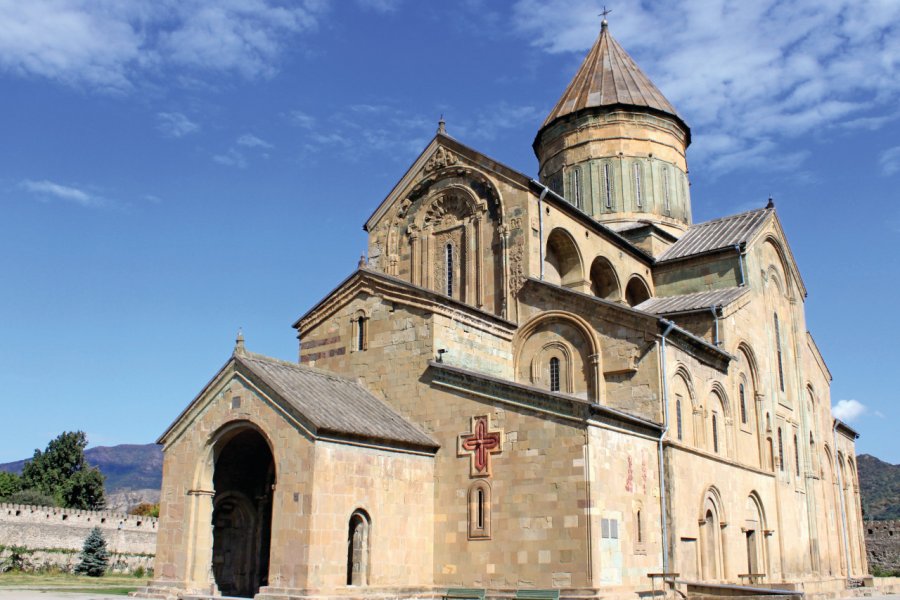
(662, 434)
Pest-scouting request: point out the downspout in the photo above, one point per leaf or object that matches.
(841, 496)
(716, 322)
(541, 223)
(662, 434)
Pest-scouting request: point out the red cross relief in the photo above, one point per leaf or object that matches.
(481, 443)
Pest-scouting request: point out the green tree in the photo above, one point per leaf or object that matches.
(94, 557)
(10, 483)
(32, 497)
(61, 471)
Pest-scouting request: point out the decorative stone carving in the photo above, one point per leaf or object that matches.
(480, 445)
(441, 159)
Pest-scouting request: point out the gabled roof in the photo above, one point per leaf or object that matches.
(666, 305)
(609, 77)
(326, 404)
(718, 234)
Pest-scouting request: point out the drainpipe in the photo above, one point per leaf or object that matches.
(662, 470)
(841, 496)
(737, 248)
(715, 315)
(541, 223)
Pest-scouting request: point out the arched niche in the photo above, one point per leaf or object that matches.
(682, 407)
(358, 545)
(604, 281)
(636, 291)
(712, 521)
(565, 337)
(755, 532)
(243, 482)
(562, 260)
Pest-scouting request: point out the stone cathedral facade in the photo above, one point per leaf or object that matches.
(532, 387)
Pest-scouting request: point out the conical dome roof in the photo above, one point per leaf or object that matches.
(609, 77)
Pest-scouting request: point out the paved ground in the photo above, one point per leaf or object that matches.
(13, 594)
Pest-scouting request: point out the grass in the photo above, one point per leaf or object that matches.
(108, 584)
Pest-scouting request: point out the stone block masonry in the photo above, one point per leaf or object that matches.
(53, 537)
(883, 544)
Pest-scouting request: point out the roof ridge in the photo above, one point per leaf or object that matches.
(728, 217)
(297, 366)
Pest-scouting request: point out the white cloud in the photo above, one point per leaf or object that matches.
(46, 190)
(382, 6)
(749, 74)
(232, 158)
(110, 45)
(889, 161)
(302, 119)
(248, 140)
(175, 124)
(848, 410)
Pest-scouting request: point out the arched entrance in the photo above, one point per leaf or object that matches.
(243, 480)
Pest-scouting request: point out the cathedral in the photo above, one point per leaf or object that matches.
(532, 387)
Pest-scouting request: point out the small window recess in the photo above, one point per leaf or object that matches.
(479, 499)
(554, 374)
(448, 268)
(638, 192)
(666, 190)
(607, 185)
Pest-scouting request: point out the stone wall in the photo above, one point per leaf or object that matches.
(53, 537)
(883, 544)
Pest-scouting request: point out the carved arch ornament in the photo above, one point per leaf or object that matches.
(595, 387)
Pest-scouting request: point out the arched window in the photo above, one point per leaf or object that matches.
(715, 433)
(359, 334)
(638, 192)
(678, 418)
(358, 549)
(607, 185)
(448, 267)
(778, 353)
(796, 455)
(480, 510)
(743, 402)
(554, 374)
(780, 451)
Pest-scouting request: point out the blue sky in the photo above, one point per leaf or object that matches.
(171, 171)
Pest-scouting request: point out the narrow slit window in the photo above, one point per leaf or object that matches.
(640, 529)
(554, 374)
(678, 418)
(743, 404)
(796, 456)
(780, 451)
(607, 185)
(715, 433)
(666, 189)
(479, 508)
(361, 333)
(448, 265)
(576, 187)
(638, 192)
(778, 352)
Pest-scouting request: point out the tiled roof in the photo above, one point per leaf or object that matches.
(688, 302)
(607, 77)
(334, 404)
(717, 234)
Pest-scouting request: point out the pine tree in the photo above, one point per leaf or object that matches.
(94, 556)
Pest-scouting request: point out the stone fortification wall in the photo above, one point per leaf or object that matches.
(53, 537)
(883, 544)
